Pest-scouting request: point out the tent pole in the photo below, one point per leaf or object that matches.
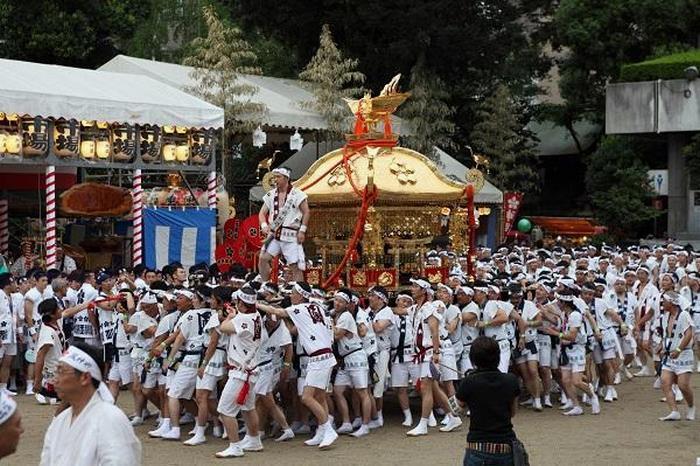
(137, 212)
(50, 216)
(4, 227)
(211, 190)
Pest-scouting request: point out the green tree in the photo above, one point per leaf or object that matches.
(219, 60)
(500, 137)
(468, 44)
(80, 33)
(618, 184)
(427, 113)
(332, 77)
(595, 38)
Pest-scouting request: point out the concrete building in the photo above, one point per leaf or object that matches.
(672, 109)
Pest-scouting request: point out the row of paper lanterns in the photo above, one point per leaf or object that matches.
(98, 140)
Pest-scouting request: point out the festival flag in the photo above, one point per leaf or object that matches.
(511, 205)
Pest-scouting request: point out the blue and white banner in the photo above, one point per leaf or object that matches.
(180, 235)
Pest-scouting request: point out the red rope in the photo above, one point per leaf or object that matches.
(368, 199)
(471, 223)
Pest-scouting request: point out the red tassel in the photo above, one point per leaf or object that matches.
(243, 394)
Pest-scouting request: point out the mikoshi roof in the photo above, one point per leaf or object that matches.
(283, 98)
(401, 175)
(36, 89)
(450, 171)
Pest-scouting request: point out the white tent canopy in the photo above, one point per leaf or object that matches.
(450, 167)
(60, 91)
(283, 98)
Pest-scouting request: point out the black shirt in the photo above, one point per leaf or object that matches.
(489, 396)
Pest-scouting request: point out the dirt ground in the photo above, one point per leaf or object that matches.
(627, 432)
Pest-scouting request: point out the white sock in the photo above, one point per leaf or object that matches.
(328, 424)
(3, 386)
(379, 415)
(199, 431)
(166, 423)
(407, 413)
(423, 422)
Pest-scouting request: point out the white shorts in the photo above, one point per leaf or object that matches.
(544, 350)
(577, 360)
(448, 366)
(504, 362)
(610, 343)
(292, 251)
(402, 372)
(381, 368)
(183, 383)
(628, 344)
(268, 378)
(208, 382)
(354, 378)
(228, 405)
(527, 355)
(682, 364)
(121, 371)
(318, 377)
(8, 349)
(465, 364)
(153, 378)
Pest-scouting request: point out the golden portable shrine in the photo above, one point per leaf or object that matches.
(377, 207)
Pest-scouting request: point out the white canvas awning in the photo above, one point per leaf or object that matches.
(60, 91)
(300, 162)
(283, 98)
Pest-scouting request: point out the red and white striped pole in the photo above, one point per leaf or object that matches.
(137, 212)
(211, 190)
(4, 227)
(50, 217)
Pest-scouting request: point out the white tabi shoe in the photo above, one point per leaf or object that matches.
(454, 423)
(233, 450)
(329, 437)
(361, 432)
(672, 416)
(346, 428)
(575, 411)
(287, 434)
(690, 415)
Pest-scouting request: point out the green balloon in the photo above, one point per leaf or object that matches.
(524, 225)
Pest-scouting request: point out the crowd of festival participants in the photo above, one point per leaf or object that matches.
(205, 354)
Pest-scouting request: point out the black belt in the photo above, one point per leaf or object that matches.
(342, 357)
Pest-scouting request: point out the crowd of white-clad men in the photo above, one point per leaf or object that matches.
(293, 360)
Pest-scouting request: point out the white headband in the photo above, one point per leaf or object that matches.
(83, 362)
(379, 294)
(342, 295)
(8, 406)
(283, 171)
(466, 290)
(442, 286)
(186, 293)
(246, 297)
(421, 283)
(302, 291)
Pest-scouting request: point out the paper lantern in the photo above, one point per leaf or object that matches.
(150, 144)
(13, 144)
(259, 137)
(87, 149)
(66, 137)
(296, 142)
(102, 149)
(123, 144)
(169, 153)
(182, 153)
(35, 138)
(524, 225)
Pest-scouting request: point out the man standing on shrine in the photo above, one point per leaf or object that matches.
(284, 219)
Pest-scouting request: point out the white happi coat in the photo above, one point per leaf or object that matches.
(100, 435)
(292, 221)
